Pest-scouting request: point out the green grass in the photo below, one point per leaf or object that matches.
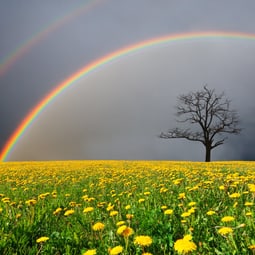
(30, 193)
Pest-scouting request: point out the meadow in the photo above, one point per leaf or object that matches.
(127, 207)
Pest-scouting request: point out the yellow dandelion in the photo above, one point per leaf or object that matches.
(127, 207)
(248, 214)
(227, 219)
(163, 207)
(72, 204)
(251, 187)
(119, 223)
(225, 230)
(121, 229)
(147, 253)
(252, 247)
(168, 211)
(185, 214)
(192, 210)
(88, 209)
(113, 213)
(141, 200)
(182, 196)
(185, 245)
(6, 200)
(143, 240)
(248, 204)
(98, 226)
(116, 250)
(18, 215)
(68, 212)
(129, 216)
(222, 187)
(211, 212)
(235, 204)
(192, 203)
(109, 207)
(125, 231)
(90, 252)
(234, 195)
(31, 202)
(42, 239)
(57, 211)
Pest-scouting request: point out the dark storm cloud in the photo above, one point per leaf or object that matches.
(105, 28)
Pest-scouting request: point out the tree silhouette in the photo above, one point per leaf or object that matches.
(210, 116)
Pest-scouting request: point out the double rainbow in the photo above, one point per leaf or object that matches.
(93, 66)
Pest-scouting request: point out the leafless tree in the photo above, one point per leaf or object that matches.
(210, 116)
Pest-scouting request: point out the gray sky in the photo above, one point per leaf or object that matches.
(118, 111)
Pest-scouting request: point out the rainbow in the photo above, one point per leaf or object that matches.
(93, 66)
(22, 49)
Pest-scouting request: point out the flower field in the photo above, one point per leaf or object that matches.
(127, 207)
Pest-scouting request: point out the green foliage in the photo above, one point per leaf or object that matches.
(52, 207)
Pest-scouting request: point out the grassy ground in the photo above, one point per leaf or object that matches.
(127, 207)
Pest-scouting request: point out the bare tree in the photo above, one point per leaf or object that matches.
(210, 116)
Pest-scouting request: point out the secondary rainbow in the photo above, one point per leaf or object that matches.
(93, 66)
(22, 49)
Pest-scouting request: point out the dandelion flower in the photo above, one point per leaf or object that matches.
(227, 219)
(191, 203)
(143, 240)
(234, 195)
(31, 202)
(125, 231)
(182, 196)
(251, 187)
(185, 245)
(57, 211)
(141, 200)
(88, 209)
(147, 253)
(127, 207)
(42, 239)
(119, 223)
(18, 215)
(69, 212)
(210, 212)
(225, 230)
(121, 229)
(129, 216)
(109, 207)
(222, 187)
(252, 247)
(185, 214)
(113, 213)
(116, 250)
(90, 252)
(248, 204)
(168, 211)
(192, 210)
(98, 226)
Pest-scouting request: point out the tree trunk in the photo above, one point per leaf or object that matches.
(208, 153)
